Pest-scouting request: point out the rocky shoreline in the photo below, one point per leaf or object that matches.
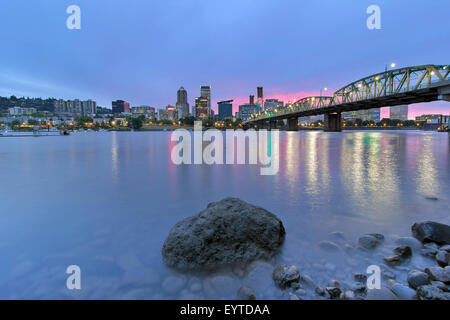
(235, 245)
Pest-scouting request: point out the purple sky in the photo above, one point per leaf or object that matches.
(143, 51)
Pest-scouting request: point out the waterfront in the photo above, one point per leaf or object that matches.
(106, 201)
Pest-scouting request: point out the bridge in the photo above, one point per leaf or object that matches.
(390, 88)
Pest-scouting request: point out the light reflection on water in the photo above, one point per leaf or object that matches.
(106, 201)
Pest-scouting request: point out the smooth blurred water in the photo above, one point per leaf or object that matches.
(106, 202)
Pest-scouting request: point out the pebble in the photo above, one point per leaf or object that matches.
(334, 283)
(360, 277)
(410, 242)
(417, 279)
(359, 288)
(285, 275)
(393, 261)
(439, 274)
(329, 246)
(403, 251)
(430, 292)
(443, 258)
(334, 292)
(403, 292)
(246, 293)
(369, 242)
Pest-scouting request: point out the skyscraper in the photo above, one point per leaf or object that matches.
(399, 112)
(260, 96)
(205, 92)
(225, 109)
(182, 103)
(201, 108)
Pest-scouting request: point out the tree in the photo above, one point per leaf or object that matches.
(136, 123)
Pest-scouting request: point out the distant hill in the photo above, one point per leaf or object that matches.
(38, 103)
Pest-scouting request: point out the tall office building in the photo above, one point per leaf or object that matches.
(182, 103)
(205, 92)
(246, 110)
(399, 112)
(120, 106)
(225, 109)
(260, 96)
(202, 111)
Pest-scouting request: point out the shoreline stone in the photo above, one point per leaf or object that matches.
(226, 233)
(431, 231)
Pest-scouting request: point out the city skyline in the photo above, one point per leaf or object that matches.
(96, 62)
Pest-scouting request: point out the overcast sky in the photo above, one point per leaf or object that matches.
(142, 51)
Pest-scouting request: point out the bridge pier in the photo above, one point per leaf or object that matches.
(292, 124)
(272, 125)
(333, 122)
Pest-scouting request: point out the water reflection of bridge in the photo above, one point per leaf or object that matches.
(394, 87)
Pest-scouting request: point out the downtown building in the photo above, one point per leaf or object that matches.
(120, 106)
(272, 104)
(170, 113)
(225, 109)
(399, 112)
(205, 92)
(147, 111)
(246, 110)
(202, 111)
(75, 107)
(182, 104)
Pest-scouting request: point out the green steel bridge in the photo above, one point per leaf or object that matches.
(390, 88)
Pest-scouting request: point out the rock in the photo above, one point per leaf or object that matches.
(403, 251)
(300, 292)
(429, 292)
(445, 248)
(369, 242)
(285, 275)
(227, 232)
(403, 292)
(359, 288)
(429, 251)
(439, 274)
(334, 292)
(307, 280)
(417, 278)
(410, 242)
(349, 295)
(334, 283)
(431, 232)
(293, 297)
(378, 236)
(360, 277)
(320, 291)
(386, 272)
(381, 294)
(440, 285)
(443, 258)
(246, 293)
(337, 235)
(393, 261)
(172, 284)
(329, 246)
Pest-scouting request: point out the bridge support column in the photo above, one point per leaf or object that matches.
(292, 124)
(333, 122)
(272, 124)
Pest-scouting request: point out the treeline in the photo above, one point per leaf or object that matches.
(38, 103)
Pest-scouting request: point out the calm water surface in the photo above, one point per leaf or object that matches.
(106, 202)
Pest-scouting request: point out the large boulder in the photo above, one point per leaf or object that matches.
(227, 232)
(431, 232)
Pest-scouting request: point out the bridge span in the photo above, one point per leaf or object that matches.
(390, 88)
